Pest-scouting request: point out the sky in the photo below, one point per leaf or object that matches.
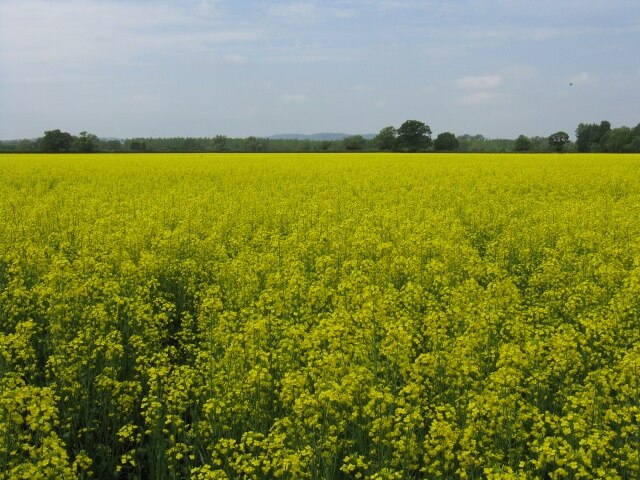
(146, 68)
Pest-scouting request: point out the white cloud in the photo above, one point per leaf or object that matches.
(363, 88)
(245, 112)
(311, 11)
(57, 56)
(404, 4)
(520, 72)
(35, 31)
(305, 57)
(343, 13)
(479, 82)
(477, 98)
(293, 10)
(235, 59)
(580, 78)
(294, 98)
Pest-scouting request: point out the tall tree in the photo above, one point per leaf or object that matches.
(190, 144)
(55, 141)
(617, 140)
(589, 136)
(522, 144)
(110, 145)
(446, 141)
(386, 139)
(558, 140)
(325, 145)
(85, 142)
(137, 145)
(354, 142)
(256, 144)
(635, 142)
(414, 135)
(220, 143)
(583, 137)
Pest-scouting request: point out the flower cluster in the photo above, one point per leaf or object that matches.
(363, 316)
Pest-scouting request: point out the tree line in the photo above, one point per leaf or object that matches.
(414, 135)
(411, 136)
(591, 137)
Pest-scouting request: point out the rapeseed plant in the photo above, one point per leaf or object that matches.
(374, 316)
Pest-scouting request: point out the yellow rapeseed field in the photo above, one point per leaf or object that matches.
(380, 316)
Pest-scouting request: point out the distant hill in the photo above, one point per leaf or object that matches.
(316, 136)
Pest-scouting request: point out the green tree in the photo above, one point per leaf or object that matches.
(85, 142)
(386, 139)
(635, 142)
(324, 145)
(191, 144)
(558, 140)
(55, 141)
(414, 135)
(137, 145)
(354, 142)
(446, 141)
(220, 143)
(604, 128)
(26, 145)
(583, 137)
(522, 144)
(255, 144)
(589, 136)
(617, 140)
(110, 145)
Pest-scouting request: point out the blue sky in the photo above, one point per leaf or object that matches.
(201, 68)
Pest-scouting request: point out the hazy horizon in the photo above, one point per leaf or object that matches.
(199, 68)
